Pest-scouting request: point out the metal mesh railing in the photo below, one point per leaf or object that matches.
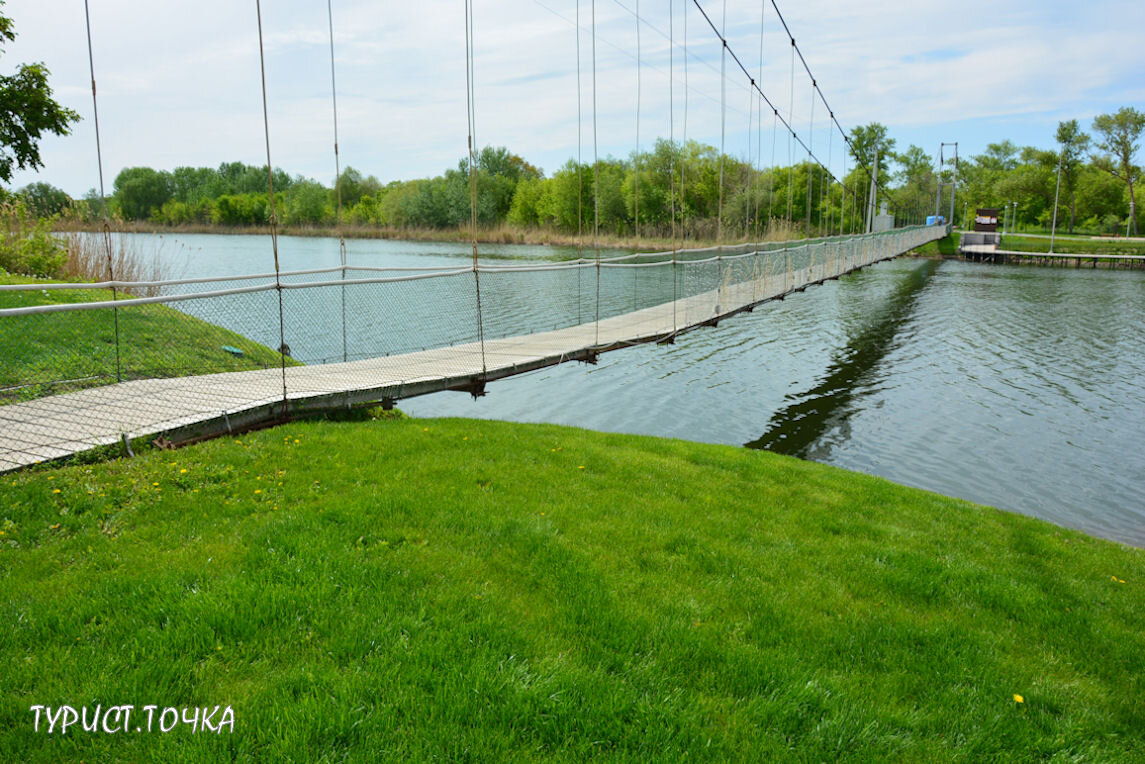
(207, 349)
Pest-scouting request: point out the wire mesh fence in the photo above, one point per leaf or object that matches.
(87, 364)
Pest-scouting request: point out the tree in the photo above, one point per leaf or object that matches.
(44, 199)
(1119, 135)
(863, 142)
(1073, 143)
(140, 190)
(27, 111)
(916, 180)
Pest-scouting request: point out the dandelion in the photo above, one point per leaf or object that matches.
(51, 477)
(297, 441)
(155, 484)
(581, 467)
(183, 471)
(55, 490)
(56, 527)
(258, 490)
(1018, 698)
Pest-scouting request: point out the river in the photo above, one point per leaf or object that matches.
(1017, 387)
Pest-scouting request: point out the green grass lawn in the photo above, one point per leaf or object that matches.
(452, 590)
(947, 246)
(37, 352)
(1073, 245)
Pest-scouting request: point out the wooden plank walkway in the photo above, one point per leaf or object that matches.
(188, 408)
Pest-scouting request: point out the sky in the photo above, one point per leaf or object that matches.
(179, 84)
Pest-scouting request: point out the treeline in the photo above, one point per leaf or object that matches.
(622, 197)
(708, 195)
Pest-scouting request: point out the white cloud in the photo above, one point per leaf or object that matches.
(179, 83)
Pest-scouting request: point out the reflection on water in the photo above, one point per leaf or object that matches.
(808, 425)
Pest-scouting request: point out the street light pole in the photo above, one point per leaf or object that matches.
(1057, 193)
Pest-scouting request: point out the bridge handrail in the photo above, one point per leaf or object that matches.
(415, 273)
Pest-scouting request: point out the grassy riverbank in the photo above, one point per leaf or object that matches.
(1074, 245)
(58, 352)
(459, 590)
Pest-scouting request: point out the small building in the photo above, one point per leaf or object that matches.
(986, 220)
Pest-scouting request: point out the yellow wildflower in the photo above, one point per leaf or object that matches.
(1019, 698)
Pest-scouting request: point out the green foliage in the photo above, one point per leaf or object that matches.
(307, 203)
(864, 140)
(1073, 144)
(27, 245)
(1120, 133)
(27, 112)
(44, 199)
(140, 191)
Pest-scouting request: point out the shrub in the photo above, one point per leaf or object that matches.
(27, 245)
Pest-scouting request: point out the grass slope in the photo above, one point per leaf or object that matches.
(1073, 245)
(155, 341)
(413, 590)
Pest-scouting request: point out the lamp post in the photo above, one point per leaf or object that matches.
(1054, 228)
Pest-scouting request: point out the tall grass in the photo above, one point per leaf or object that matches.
(115, 256)
(696, 235)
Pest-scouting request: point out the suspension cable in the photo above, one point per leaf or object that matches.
(282, 348)
(338, 180)
(759, 125)
(636, 177)
(793, 137)
(790, 143)
(471, 116)
(672, 155)
(102, 193)
(595, 180)
(579, 178)
(684, 138)
(810, 148)
(723, 122)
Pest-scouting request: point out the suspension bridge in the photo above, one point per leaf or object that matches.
(347, 336)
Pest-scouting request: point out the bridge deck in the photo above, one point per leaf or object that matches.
(191, 407)
(185, 408)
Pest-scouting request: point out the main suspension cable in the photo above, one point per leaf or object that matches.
(282, 348)
(471, 115)
(102, 192)
(338, 180)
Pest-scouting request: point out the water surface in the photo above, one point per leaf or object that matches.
(1013, 386)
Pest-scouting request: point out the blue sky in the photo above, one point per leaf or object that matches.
(179, 84)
